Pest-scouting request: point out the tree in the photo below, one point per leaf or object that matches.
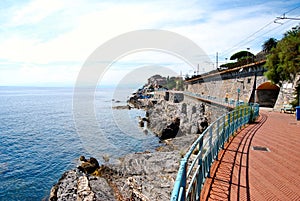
(283, 62)
(269, 44)
(242, 55)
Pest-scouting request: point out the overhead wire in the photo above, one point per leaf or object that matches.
(243, 41)
(292, 9)
(247, 39)
(259, 36)
(260, 39)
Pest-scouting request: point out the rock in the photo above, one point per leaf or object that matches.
(195, 129)
(82, 158)
(121, 107)
(141, 123)
(83, 189)
(151, 176)
(89, 166)
(171, 130)
(101, 188)
(65, 188)
(76, 186)
(162, 114)
(53, 193)
(202, 108)
(157, 125)
(139, 176)
(194, 110)
(183, 108)
(105, 157)
(203, 124)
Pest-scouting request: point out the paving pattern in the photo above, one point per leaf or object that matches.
(262, 162)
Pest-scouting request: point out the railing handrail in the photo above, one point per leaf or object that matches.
(221, 101)
(215, 135)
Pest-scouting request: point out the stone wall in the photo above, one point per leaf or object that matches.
(245, 84)
(213, 112)
(176, 97)
(172, 96)
(229, 86)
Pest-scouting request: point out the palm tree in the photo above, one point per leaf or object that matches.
(269, 44)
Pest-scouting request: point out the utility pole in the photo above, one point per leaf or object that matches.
(217, 60)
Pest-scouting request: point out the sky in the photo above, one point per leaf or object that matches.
(46, 42)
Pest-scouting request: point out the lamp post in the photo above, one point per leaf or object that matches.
(247, 54)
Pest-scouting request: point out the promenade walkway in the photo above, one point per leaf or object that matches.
(262, 162)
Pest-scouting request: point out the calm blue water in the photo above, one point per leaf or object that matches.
(39, 140)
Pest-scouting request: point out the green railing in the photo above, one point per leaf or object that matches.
(195, 165)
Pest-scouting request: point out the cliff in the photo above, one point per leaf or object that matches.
(140, 176)
(137, 176)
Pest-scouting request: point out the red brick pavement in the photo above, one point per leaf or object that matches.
(242, 173)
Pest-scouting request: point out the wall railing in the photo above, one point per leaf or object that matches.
(195, 165)
(221, 101)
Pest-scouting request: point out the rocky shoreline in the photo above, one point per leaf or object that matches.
(139, 176)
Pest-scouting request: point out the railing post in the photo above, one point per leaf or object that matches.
(218, 135)
(256, 110)
(210, 155)
(244, 116)
(201, 173)
(249, 113)
(241, 118)
(237, 120)
(233, 122)
(228, 127)
(224, 131)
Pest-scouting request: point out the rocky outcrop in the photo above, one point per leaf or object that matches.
(77, 185)
(138, 176)
(193, 119)
(171, 130)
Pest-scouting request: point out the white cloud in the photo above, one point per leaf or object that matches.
(28, 74)
(139, 66)
(44, 33)
(34, 12)
(231, 30)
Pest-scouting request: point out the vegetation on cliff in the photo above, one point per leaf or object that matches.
(175, 83)
(283, 60)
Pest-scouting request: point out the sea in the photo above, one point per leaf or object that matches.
(40, 138)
